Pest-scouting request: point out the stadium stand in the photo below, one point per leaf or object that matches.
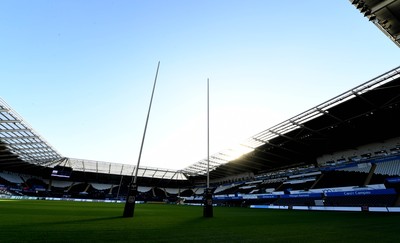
(173, 191)
(327, 155)
(11, 177)
(61, 184)
(227, 189)
(100, 187)
(199, 190)
(388, 168)
(187, 193)
(304, 199)
(372, 198)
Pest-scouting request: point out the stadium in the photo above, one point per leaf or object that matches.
(317, 176)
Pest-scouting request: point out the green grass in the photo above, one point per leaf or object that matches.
(61, 221)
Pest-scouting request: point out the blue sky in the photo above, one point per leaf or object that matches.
(81, 72)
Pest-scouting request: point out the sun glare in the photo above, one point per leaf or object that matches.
(235, 152)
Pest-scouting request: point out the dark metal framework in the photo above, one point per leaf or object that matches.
(21, 145)
(384, 14)
(21, 142)
(367, 113)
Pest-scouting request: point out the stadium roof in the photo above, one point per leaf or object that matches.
(364, 114)
(121, 169)
(384, 14)
(20, 143)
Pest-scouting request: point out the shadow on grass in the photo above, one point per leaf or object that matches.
(199, 220)
(78, 221)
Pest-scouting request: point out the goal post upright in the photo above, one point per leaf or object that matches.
(132, 189)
